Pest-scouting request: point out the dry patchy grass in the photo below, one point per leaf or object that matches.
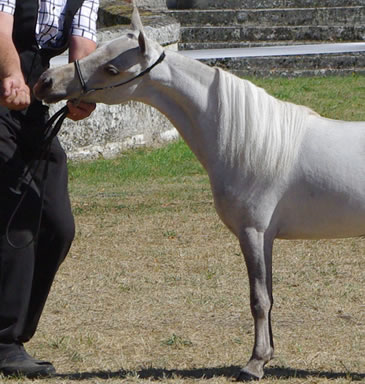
(155, 289)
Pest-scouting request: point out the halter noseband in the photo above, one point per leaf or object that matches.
(86, 90)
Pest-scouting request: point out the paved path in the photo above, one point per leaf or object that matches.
(287, 50)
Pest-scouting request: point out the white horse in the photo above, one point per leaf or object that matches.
(277, 170)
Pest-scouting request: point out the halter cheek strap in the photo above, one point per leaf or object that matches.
(81, 78)
(86, 90)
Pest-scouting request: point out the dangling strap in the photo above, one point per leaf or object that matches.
(51, 128)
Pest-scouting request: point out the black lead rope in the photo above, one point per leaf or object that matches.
(51, 129)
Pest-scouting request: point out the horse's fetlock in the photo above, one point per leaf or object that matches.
(263, 354)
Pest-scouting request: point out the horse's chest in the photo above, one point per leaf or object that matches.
(240, 207)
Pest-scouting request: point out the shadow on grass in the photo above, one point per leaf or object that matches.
(231, 372)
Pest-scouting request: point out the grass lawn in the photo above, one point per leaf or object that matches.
(155, 288)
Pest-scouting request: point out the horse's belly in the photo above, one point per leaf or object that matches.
(322, 219)
(326, 198)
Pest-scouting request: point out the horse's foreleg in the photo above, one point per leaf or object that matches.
(258, 256)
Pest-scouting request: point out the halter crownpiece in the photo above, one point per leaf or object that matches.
(86, 90)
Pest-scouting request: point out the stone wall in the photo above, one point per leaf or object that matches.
(151, 4)
(216, 24)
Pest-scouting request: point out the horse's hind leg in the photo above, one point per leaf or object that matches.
(258, 256)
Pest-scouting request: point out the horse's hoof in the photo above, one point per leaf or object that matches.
(247, 376)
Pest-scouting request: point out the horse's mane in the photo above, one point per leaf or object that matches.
(256, 129)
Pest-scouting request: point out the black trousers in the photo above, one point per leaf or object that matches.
(29, 256)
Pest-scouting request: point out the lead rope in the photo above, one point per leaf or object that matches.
(51, 129)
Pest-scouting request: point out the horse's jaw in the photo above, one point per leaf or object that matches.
(51, 98)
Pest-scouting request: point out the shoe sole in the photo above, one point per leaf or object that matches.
(30, 372)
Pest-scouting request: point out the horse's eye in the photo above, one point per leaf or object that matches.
(111, 69)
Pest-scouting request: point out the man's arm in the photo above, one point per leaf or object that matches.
(14, 93)
(79, 48)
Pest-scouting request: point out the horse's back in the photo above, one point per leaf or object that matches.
(335, 149)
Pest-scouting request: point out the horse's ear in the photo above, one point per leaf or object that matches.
(142, 42)
(136, 20)
(138, 26)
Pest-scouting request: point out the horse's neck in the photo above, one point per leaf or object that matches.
(184, 90)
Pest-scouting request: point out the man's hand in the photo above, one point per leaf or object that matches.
(79, 111)
(14, 93)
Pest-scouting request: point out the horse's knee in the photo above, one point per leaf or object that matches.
(261, 305)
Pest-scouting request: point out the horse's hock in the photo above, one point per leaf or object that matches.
(113, 129)
(196, 24)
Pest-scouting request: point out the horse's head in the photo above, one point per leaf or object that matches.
(111, 74)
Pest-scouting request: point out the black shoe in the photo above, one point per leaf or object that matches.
(15, 361)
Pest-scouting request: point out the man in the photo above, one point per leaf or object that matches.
(36, 223)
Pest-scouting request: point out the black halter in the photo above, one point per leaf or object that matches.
(86, 90)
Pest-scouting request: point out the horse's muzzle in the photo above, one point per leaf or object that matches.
(43, 86)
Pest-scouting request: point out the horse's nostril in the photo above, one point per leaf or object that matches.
(47, 82)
